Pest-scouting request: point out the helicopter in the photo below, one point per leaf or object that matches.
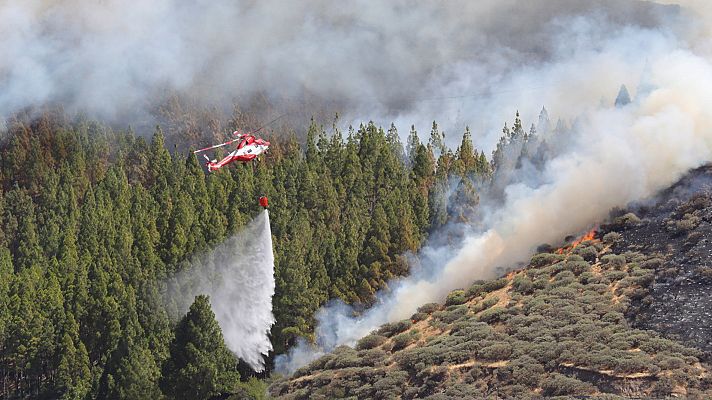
(248, 148)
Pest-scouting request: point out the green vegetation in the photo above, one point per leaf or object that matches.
(518, 338)
(94, 222)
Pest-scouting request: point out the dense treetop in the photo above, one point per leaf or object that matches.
(94, 221)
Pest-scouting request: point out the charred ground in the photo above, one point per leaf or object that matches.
(677, 227)
(624, 314)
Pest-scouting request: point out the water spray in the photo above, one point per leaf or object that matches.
(238, 275)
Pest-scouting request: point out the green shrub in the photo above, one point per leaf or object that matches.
(612, 238)
(688, 223)
(419, 316)
(627, 220)
(554, 269)
(372, 357)
(522, 284)
(404, 339)
(393, 328)
(487, 303)
(574, 257)
(544, 259)
(577, 267)
(527, 371)
(589, 277)
(671, 362)
(564, 278)
(491, 286)
(633, 256)
(391, 385)
(451, 314)
(343, 357)
(456, 297)
(541, 283)
(370, 341)
(653, 263)
(560, 385)
(495, 352)
(493, 315)
(615, 275)
(614, 261)
(588, 253)
(428, 308)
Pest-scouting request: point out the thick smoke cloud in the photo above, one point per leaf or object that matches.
(366, 59)
(616, 155)
(460, 62)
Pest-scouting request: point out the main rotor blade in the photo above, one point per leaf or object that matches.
(216, 146)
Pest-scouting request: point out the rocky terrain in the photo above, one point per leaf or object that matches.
(622, 312)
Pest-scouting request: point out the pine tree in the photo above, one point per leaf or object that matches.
(467, 155)
(437, 140)
(543, 126)
(200, 365)
(136, 376)
(413, 145)
(623, 97)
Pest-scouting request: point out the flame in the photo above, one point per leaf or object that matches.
(588, 236)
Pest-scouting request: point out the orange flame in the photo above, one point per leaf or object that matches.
(588, 236)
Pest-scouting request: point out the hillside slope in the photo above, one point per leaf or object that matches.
(576, 323)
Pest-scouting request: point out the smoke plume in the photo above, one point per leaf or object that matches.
(412, 61)
(461, 62)
(615, 155)
(238, 275)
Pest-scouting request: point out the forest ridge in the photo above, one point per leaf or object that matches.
(94, 221)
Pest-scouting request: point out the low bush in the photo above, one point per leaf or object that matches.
(577, 267)
(522, 284)
(419, 316)
(484, 304)
(456, 297)
(491, 286)
(653, 263)
(615, 275)
(564, 278)
(428, 308)
(493, 315)
(451, 314)
(612, 238)
(404, 339)
(372, 358)
(544, 259)
(560, 385)
(614, 261)
(627, 220)
(588, 253)
(393, 328)
(370, 341)
(495, 352)
(685, 225)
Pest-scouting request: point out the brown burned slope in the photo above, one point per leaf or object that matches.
(557, 327)
(677, 227)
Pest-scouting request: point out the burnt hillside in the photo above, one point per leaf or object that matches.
(677, 227)
(623, 312)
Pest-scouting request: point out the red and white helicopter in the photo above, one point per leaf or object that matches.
(248, 148)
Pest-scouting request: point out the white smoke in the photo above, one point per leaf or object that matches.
(460, 62)
(238, 275)
(365, 58)
(618, 155)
